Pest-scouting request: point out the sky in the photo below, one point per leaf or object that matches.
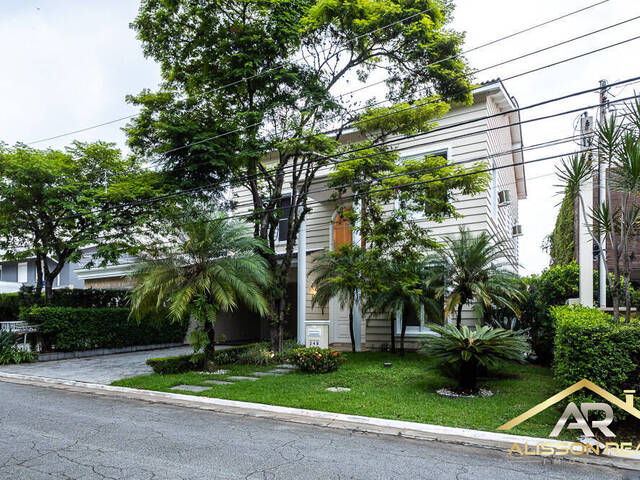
(68, 65)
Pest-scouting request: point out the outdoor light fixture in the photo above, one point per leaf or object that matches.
(313, 291)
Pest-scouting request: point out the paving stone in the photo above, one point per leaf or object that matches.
(287, 365)
(338, 389)
(281, 370)
(240, 377)
(218, 382)
(190, 388)
(266, 374)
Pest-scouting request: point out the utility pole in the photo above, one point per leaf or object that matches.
(602, 255)
(585, 240)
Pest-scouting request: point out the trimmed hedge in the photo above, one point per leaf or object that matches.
(73, 329)
(180, 364)
(589, 344)
(80, 298)
(9, 307)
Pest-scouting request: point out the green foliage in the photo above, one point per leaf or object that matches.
(472, 268)
(316, 360)
(553, 287)
(10, 352)
(81, 298)
(212, 266)
(253, 354)
(179, 364)
(79, 188)
(562, 239)
(464, 350)
(69, 329)
(589, 344)
(9, 307)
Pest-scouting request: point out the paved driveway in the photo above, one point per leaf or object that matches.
(100, 369)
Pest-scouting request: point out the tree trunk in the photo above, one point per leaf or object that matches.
(459, 316)
(277, 321)
(38, 275)
(469, 375)
(403, 330)
(353, 337)
(210, 349)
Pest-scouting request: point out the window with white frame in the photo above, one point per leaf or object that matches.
(440, 152)
(283, 222)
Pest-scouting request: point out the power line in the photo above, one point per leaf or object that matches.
(478, 47)
(393, 141)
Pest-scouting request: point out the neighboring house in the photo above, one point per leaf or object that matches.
(494, 212)
(13, 275)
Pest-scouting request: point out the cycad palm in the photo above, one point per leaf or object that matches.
(471, 273)
(214, 266)
(339, 275)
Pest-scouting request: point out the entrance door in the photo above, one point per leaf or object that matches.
(341, 234)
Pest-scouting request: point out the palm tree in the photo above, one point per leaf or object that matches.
(340, 275)
(213, 266)
(403, 288)
(470, 271)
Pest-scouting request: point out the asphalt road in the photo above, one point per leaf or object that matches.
(53, 434)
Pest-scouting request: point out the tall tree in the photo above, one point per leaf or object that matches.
(212, 265)
(54, 203)
(250, 86)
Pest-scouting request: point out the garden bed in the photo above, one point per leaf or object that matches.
(406, 391)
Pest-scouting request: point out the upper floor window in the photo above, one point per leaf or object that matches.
(342, 233)
(283, 222)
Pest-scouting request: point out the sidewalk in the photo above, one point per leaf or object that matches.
(417, 431)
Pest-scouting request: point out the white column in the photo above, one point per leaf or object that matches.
(585, 254)
(302, 281)
(357, 314)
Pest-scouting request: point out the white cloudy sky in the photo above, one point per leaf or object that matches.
(68, 64)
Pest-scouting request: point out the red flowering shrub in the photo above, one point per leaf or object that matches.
(316, 360)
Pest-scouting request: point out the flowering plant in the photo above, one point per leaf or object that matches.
(316, 360)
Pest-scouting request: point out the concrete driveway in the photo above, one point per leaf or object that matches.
(100, 369)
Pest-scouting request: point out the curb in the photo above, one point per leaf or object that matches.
(416, 431)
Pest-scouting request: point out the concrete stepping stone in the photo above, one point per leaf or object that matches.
(218, 382)
(191, 388)
(240, 377)
(287, 365)
(266, 374)
(338, 389)
(281, 370)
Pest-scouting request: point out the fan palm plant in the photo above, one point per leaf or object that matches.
(404, 289)
(465, 350)
(470, 271)
(214, 266)
(340, 275)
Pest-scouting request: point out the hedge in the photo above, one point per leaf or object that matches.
(77, 297)
(73, 329)
(180, 364)
(589, 344)
(9, 307)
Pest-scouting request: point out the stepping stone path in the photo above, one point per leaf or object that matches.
(190, 388)
(338, 389)
(287, 365)
(266, 374)
(218, 382)
(281, 370)
(240, 377)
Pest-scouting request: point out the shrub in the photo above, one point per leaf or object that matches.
(316, 360)
(79, 298)
(10, 352)
(254, 354)
(72, 329)
(466, 350)
(589, 344)
(180, 364)
(9, 307)
(554, 287)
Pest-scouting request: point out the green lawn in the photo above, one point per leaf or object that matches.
(406, 391)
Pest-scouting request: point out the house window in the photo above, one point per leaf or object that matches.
(283, 222)
(342, 233)
(22, 272)
(417, 214)
(416, 322)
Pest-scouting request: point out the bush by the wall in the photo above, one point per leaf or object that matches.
(316, 360)
(71, 329)
(9, 307)
(254, 354)
(589, 344)
(80, 298)
(553, 287)
(180, 364)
